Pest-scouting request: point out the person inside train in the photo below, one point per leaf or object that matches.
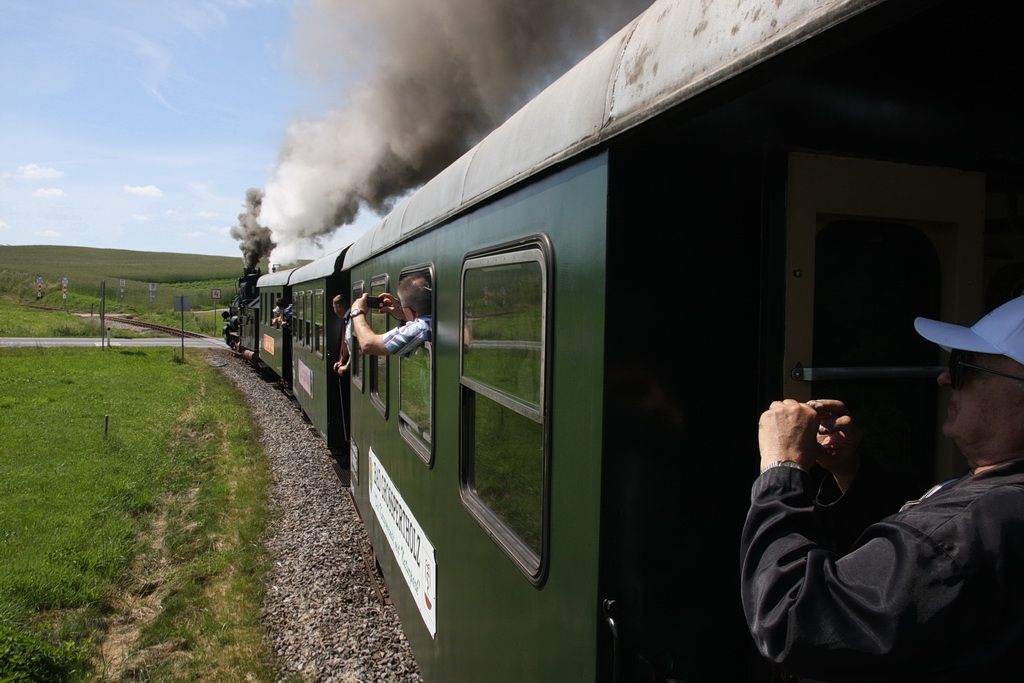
(933, 592)
(413, 306)
(276, 319)
(340, 305)
(282, 314)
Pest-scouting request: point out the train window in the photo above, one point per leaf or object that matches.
(301, 329)
(308, 322)
(415, 414)
(355, 365)
(299, 334)
(318, 322)
(378, 370)
(503, 464)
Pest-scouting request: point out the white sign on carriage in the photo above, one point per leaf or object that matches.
(412, 550)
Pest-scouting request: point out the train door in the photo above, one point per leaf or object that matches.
(870, 246)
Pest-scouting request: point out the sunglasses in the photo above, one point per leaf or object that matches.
(957, 365)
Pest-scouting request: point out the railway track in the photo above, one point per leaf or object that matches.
(162, 329)
(127, 321)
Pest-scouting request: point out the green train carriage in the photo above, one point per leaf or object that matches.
(723, 205)
(315, 347)
(274, 340)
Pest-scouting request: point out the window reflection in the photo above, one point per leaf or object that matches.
(503, 356)
(502, 329)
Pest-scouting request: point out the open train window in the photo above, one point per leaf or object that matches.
(308, 322)
(355, 364)
(415, 408)
(503, 464)
(307, 315)
(378, 370)
(318, 322)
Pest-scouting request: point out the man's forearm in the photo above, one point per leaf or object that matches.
(370, 342)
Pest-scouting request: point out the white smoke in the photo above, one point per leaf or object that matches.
(439, 76)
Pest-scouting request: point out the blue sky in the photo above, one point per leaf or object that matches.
(139, 125)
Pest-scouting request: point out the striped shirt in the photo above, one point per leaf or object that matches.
(404, 340)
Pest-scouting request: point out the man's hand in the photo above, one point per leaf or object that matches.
(360, 304)
(341, 368)
(389, 304)
(788, 431)
(840, 438)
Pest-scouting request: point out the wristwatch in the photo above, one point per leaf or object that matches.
(355, 312)
(781, 463)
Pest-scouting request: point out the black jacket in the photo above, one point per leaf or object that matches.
(933, 593)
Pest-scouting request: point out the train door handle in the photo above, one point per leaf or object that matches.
(607, 607)
(802, 374)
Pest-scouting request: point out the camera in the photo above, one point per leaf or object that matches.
(374, 302)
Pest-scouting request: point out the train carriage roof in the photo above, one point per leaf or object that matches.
(672, 52)
(277, 278)
(325, 266)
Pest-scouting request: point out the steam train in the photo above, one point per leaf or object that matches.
(725, 204)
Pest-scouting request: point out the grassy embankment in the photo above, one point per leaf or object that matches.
(18, 321)
(132, 547)
(135, 543)
(174, 274)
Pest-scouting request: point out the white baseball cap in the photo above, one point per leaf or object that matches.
(1001, 332)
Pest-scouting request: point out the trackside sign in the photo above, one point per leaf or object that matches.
(409, 544)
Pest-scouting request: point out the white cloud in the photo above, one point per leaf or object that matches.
(207, 214)
(170, 212)
(35, 172)
(48, 193)
(214, 232)
(140, 217)
(47, 233)
(144, 191)
(4, 226)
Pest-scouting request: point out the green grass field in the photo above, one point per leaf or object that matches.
(19, 321)
(131, 516)
(174, 275)
(132, 495)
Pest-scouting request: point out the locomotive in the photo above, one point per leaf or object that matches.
(725, 204)
(240, 319)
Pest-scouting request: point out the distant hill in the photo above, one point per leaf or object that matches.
(86, 263)
(86, 267)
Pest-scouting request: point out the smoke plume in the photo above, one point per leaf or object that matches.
(433, 78)
(256, 239)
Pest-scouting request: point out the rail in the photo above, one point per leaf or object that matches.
(163, 329)
(125, 320)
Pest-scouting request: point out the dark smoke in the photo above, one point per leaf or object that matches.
(256, 239)
(440, 75)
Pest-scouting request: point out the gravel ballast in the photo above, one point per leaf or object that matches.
(324, 619)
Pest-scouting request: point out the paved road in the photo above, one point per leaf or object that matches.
(206, 343)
